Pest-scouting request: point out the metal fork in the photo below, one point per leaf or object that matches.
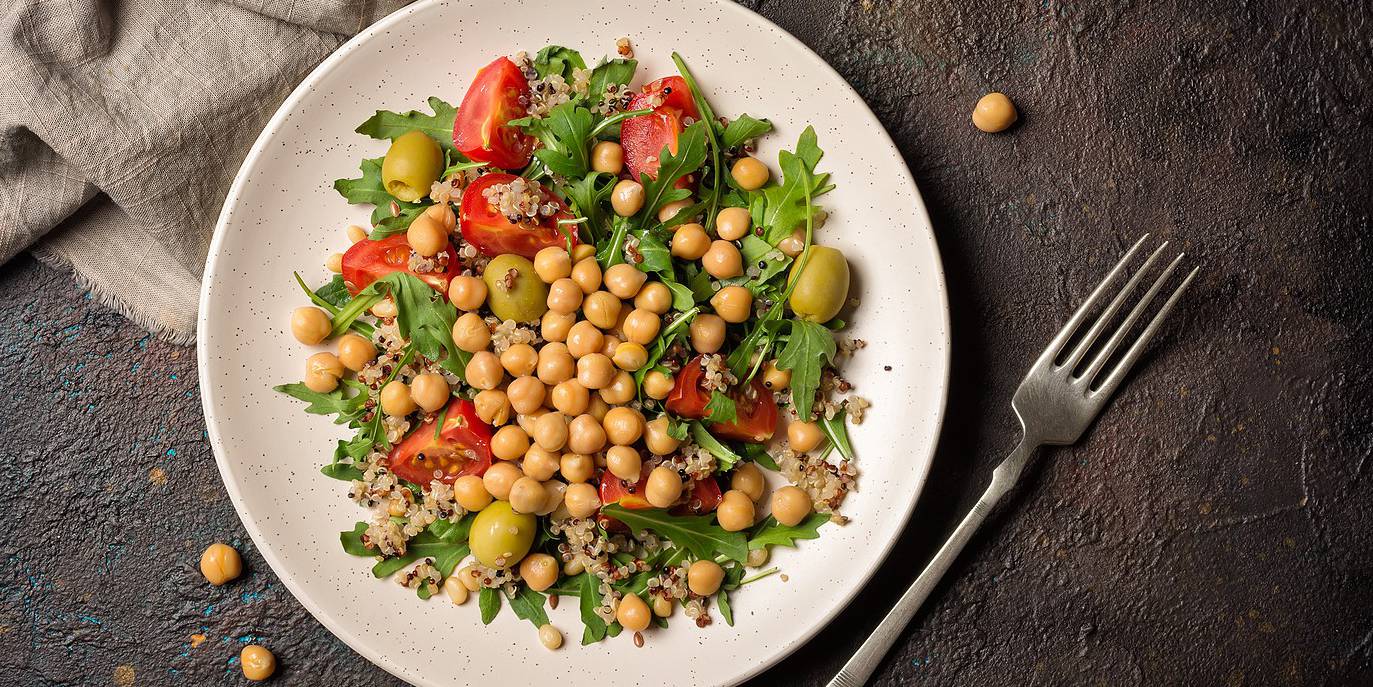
(1055, 406)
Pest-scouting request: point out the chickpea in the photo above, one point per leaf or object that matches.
(467, 293)
(520, 359)
(355, 351)
(749, 173)
(774, 378)
(621, 390)
(602, 309)
(641, 326)
(658, 384)
(598, 406)
(430, 391)
(733, 304)
(527, 495)
(334, 263)
(310, 325)
(426, 236)
(624, 280)
(526, 394)
(550, 431)
(748, 479)
(630, 356)
(550, 637)
(994, 112)
(555, 325)
(607, 157)
(509, 443)
(526, 420)
(624, 462)
(704, 577)
(690, 242)
(470, 333)
(707, 333)
(493, 406)
(564, 296)
(385, 308)
(633, 613)
(804, 436)
(581, 252)
(555, 363)
(623, 425)
(457, 593)
(757, 558)
(395, 399)
(581, 499)
(792, 246)
(609, 344)
(627, 198)
(735, 511)
(664, 487)
(484, 370)
(595, 371)
(587, 274)
(499, 478)
(670, 210)
(656, 438)
(662, 606)
(442, 213)
(356, 233)
(570, 397)
(541, 463)
(552, 263)
(585, 435)
(584, 339)
(322, 372)
(220, 563)
(576, 468)
(654, 297)
(258, 663)
(733, 224)
(539, 571)
(554, 491)
(790, 505)
(470, 493)
(722, 261)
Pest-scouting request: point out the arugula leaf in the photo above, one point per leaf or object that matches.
(489, 601)
(696, 533)
(555, 59)
(566, 136)
(809, 348)
(391, 566)
(391, 125)
(657, 256)
(341, 471)
(426, 318)
(612, 252)
(589, 199)
(698, 281)
(668, 336)
(725, 458)
(708, 114)
(755, 251)
(691, 154)
(528, 605)
(837, 430)
(618, 72)
(759, 454)
(727, 613)
(677, 429)
(742, 129)
(589, 597)
(773, 533)
(352, 541)
(332, 403)
(720, 408)
(368, 189)
(391, 225)
(335, 292)
(787, 206)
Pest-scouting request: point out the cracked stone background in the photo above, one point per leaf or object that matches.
(1213, 528)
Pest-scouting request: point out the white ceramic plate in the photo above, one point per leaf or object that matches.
(282, 215)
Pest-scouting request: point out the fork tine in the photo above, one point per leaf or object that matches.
(1109, 386)
(1102, 356)
(1061, 338)
(1109, 313)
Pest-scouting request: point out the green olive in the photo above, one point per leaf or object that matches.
(824, 285)
(411, 166)
(522, 297)
(500, 537)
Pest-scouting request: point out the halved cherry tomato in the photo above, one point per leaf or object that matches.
(705, 497)
(480, 131)
(367, 261)
(631, 496)
(463, 447)
(491, 233)
(754, 406)
(643, 137)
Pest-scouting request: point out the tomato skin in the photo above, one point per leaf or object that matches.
(367, 261)
(480, 131)
(755, 407)
(643, 137)
(705, 498)
(705, 494)
(462, 430)
(490, 232)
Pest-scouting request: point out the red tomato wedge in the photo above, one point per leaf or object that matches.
(463, 447)
(494, 234)
(481, 130)
(631, 496)
(644, 137)
(367, 261)
(755, 408)
(705, 498)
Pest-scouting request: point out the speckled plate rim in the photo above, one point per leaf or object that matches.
(259, 539)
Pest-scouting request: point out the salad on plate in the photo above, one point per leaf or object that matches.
(585, 332)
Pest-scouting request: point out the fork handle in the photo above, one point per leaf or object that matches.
(864, 663)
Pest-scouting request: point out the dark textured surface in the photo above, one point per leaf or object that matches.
(1214, 527)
